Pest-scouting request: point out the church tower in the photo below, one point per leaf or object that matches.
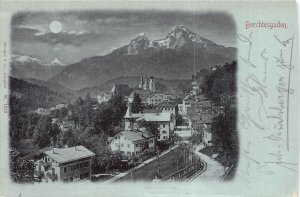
(141, 82)
(152, 85)
(146, 84)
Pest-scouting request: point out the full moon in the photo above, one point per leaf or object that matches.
(55, 27)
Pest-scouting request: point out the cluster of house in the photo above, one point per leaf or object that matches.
(135, 138)
(74, 163)
(145, 89)
(200, 113)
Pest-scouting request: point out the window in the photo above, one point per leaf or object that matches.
(128, 145)
(72, 168)
(122, 145)
(164, 125)
(65, 169)
(71, 179)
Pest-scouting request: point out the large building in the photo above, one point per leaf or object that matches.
(147, 83)
(166, 122)
(132, 142)
(158, 98)
(145, 89)
(64, 164)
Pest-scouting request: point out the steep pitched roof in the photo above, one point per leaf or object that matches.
(156, 117)
(63, 155)
(136, 135)
(152, 110)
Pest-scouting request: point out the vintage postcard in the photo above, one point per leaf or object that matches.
(149, 98)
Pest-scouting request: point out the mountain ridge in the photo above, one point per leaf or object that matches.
(173, 57)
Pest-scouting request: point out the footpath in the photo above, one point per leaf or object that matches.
(214, 170)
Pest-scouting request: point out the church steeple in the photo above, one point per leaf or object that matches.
(146, 84)
(152, 85)
(141, 82)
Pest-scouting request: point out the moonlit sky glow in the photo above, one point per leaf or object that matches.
(55, 27)
(72, 36)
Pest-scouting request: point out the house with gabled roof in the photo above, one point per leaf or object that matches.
(133, 142)
(64, 164)
(166, 123)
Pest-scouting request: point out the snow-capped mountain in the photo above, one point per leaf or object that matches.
(138, 44)
(56, 62)
(23, 59)
(173, 57)
(179, 36)
(24, 66)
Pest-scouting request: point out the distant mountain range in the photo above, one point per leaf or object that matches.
(23, 66)
(171, 58)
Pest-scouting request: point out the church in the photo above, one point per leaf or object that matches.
(145, 89)
(147, 83)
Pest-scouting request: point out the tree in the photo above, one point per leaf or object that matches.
(22, 171)
(152, 127)
(43, 131)
(137, 105)
(225, 136)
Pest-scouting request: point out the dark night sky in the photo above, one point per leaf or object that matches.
(85, 34)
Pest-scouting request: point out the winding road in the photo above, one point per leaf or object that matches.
(214, 170)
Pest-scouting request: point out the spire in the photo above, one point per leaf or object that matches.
(141, 82)
(146, 84)
(151, 84)
(128, 112)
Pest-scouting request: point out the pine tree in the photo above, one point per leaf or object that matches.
(137, 105)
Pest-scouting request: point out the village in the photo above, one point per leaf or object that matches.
(159, 136)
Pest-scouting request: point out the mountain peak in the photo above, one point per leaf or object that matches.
(56, 62)
(138, 44)
(179, 28)
(22, 59)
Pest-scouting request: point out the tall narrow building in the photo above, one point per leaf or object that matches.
(146, 84)
(141, 82)
(151, 84)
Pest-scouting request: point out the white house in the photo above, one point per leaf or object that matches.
(65, 164)
(103, 97)
(183, 108)
(164, 119)
(132, 142)
(168, 107)
(157, 99)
